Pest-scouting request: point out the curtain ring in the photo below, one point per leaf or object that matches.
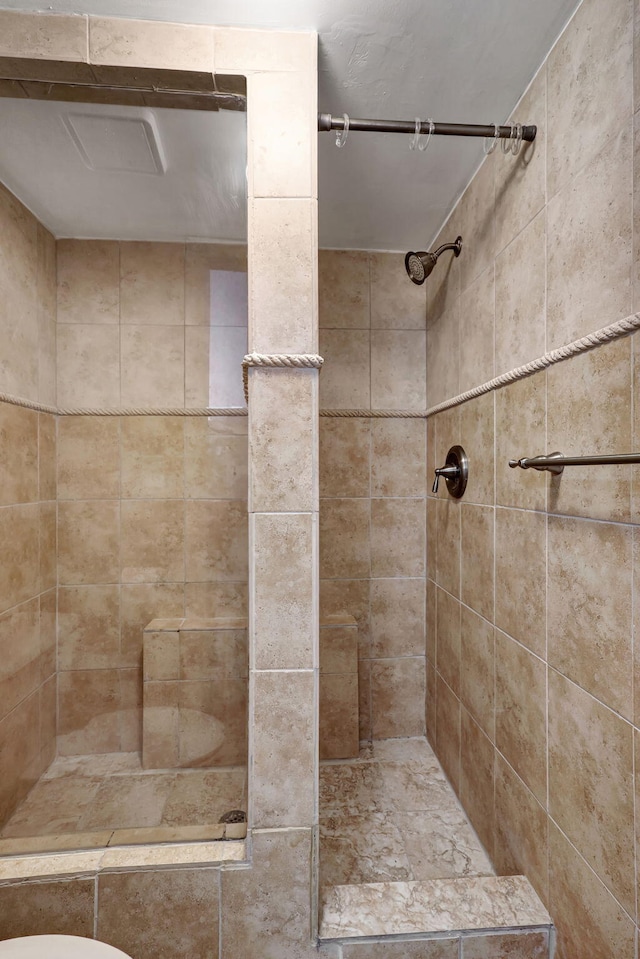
(492, 141)
(505, 143)
(517, 143)
(341, 135)
(425, 143)
(417, 140)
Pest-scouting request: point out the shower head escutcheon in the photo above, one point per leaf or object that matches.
(420, 265)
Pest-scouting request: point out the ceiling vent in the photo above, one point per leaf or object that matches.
(117, 144)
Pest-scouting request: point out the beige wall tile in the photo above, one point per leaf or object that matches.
(81, 381)
(447, 426)
(397, 618)
(397, 697)
(47, 536)
(282, 304)
(249, 51)
(477, 669)
(47, 635)
(519, 945)
(62, 908)
(173, 911)
(153, 541)
(343, 289)
(521, 297)
(88, 542)
(281, 440)
(364, 699)
(396, 302)
(19, 297)
(521, 830)
(448, 639)
(432, 538)
(216, 599)
(635, 479)
(476, 779)
(47, 451)
(88, 627)
(19, 571)
(580, 91)
(443, 355)
(442, 949)
(283, 630)
(283, 749)
(153, 455)
(88, 281)
(344, 539)
(345, 381)
(18, 455)
(521, 585)
(216, 457)
(88, 705)
(521, 712)
(21, 669)
(591, 783)
(339, 733)
(589, 617)
(398, 369)
(398, 541)
(44, 37)
(152, 366)
(520, 431)
(19, 753)
(588, 409)
(141, 43)
(216, 541)
(448, 545)
(477, 331)
(152, 283)
(398, 458)
(476, 224)
(448, 731)
(477, 437)
(197, 380)
(200, 260)
(593, 209)
(349, 596)
(344, 456)
(88, 457)
(46, 288)
(476, 576)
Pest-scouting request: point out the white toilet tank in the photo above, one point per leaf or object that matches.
(58, 947)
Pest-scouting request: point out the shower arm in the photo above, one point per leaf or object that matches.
(456, 246)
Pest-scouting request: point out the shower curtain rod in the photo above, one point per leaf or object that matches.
(328, 122)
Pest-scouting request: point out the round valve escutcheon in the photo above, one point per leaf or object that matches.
(455, 472)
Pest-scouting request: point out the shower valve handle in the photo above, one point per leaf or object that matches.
(450, 472)
(455, 472)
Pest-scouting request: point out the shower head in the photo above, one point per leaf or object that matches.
(420, 265)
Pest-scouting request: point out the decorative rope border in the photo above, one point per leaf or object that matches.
(606, 334)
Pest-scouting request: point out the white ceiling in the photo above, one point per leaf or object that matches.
(465, 61)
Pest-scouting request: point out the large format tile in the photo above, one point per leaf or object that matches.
(521, 298)
(88, 281)
(521, 563)
(344, 456)
(477, 669)
(521, 830)
(477, 539)
(343, 281)
(396, 304)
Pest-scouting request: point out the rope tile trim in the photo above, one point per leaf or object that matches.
(309, 361)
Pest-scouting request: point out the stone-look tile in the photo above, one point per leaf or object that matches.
(448, 639)
(281, 551)
(432, 537)
(88, 704)
(589, 618)
(130, 712)
(448, 545)
(398, 541)
(44, 37)
(216, 457)
(63, 908)
(397, 697)
(88, 627)
(349, 596)
(396, 304)
(80, 380)
(19, 288)
(282, 303)
(592, 210)
(398, 369)
(152, 457)
(476, 669)
(207, 600)
(436, 949)
(152, 364)
(476, 779)
(200, 260)
(588, 920)
(20, 672)
(344, 539)
(88, 457)
(520, 692)
(267, 910)
(520, 181)
(520, 431)
(430, 706)
(521, 298)
(635, 478)
(152, 541)
(430, 621)
(476, 575)
(139, 604)
(283, 749)
(161, 725)
(514, 945)
(142, 43)
(345, 381)
(588, 410)
(47, 537)
(588, 104)
(443, 355)
(521, 830)
(152, 284)
(18, 455)
(397, 618)
(431, 450)
(343, 289)
(281, 430)
(364, 699)
(88, 281)
(339, 729)
(344, 456)
(591, 783)
(476, 224)
(47, 634)
(20, 570)
(521, 569)
(398, 458)
(448, 426)
(197, 380)
(174, 912)
(448, 731)
(46, 288)
(47, 450)
(20, 753)
(477, 323)
(216, 541)
(476, 436)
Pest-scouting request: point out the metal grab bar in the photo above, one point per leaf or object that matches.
(556, 462)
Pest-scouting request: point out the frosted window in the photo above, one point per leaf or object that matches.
(228, 336)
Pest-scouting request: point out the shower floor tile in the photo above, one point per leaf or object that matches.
(390, 815)
(90, 794)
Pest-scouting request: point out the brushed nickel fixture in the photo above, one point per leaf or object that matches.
(455, 472)
(556, 462)
(420, 265)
